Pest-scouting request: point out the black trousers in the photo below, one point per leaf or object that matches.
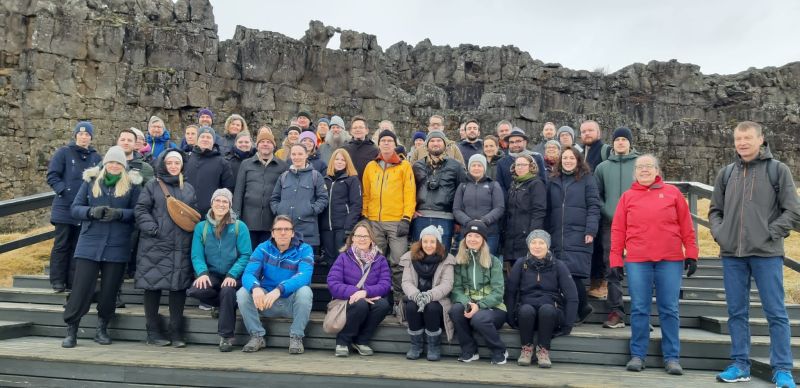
(134, 251)
(62, 264)
(485, 322)
(362, 320)
(222, 297)
(152, 301)
(259, 236)
(581, 286)
(84, 285)
(332, 241)
(543, 320)
(431, 318)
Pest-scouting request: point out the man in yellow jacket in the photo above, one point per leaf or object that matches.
(389, 203)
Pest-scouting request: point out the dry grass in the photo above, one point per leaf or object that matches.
(24, 261)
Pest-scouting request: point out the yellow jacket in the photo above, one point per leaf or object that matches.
(390, 193)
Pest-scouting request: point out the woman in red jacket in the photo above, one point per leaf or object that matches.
(653, 226)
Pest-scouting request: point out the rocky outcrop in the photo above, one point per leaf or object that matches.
(117, 62)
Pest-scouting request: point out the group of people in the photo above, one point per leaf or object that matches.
(500, 231)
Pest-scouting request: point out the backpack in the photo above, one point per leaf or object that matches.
(315, 176)
(205, 230)
(605, 152)
(772, 172)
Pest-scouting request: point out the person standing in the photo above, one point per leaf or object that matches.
(344, 205)
(472, 143)
(548, 133)
(361, 149)
(754, 207)
(517, 145)
(493, 154)
(207, 170)
(158, 138)
(234, 125)
(480, 198)
(64, 176)
(335, 138)
(242, 150)
(526, 209)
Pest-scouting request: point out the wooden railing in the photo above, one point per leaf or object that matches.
(695, 191)
(24, 204)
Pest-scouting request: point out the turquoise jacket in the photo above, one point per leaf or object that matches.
(227, 256)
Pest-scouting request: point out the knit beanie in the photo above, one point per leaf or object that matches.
(138, 132)
(623, 132)
(568, 130)
(324, 120)
(336, 120)
(418, 135)
(553, 142)
(174, 154)
(477, 158)
(308, 135)
(431, 230)
(304, 114)
(203, 130)
(477, 226)
(205, 111)
(83, 126)
(115, 154)
(389, 133)
(265, 136)
(435, 134)
(222, 192)
(292, 128)
(540, 234)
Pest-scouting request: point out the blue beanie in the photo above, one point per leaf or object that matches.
(324, 120)
(419, 135)
(83, 126)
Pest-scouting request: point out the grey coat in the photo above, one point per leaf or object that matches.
(482, 200)
(302, 197)
(254, 185)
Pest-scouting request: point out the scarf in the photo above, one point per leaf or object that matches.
(567, 172)
(111, 180)
(426, 268)
(364, 258)
(523, 178)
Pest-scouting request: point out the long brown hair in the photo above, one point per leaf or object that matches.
(226, 219)
(417, 253)
(581, 170)
(361, 224)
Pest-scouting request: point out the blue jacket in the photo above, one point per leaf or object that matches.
(105, 241)
(223, 257)
(288, 271)
(504, 169)
(302, 197)
(159, 144)
(573, 212)
(65, 175)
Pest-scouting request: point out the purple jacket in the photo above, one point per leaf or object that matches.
(345, 274)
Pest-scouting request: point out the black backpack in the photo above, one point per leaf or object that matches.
(772, 172)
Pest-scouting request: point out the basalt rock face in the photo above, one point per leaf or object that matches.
(117, 62)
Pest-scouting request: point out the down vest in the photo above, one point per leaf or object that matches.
(64, 175)
(574, 212)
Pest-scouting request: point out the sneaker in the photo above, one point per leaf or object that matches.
(500, 358)
(225, 344)
(59, 287)
(525, 356)
(614, 321)
(255, 344)
(341, 351)
(205, 307)
(732, 374)
(468, 357)
(363, 350)
(673, 367)
(783, 379)
(543, 355)
(636, 364)
(296, 345)
(584, 314)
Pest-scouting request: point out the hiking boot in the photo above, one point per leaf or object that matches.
(363, 350)
(119, 303)
(225, 344)
(59, 287)
(525, 356)
(543, 355)
(72, 336)
(499, 358)
(582, 315)
(468, 357)
(783, 379)
(154, 337)
(296, 345)
(341, 351)
(614, 321)
(417, 341)
(255, 344)
(101, 335)
(673, 367)
(434, 352)
(598, 290)
(636, 364)
(732, 374)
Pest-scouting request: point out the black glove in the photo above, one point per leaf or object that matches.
(97, 212)
(619, 272)
(403, 227)
(690, 265)
(112, 214)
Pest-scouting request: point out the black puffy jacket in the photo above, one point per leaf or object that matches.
(526, 210)
(344, 203)
(436, 187)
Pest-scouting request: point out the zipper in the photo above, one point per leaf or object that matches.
(474, 281)
(380, 195)
(330, 205)
(741, 213)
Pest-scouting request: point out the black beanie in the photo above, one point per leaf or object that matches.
(389, 133)
(623, 132)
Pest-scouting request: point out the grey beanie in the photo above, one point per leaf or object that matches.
(115, 154)
(435, 134)
(174, 154)
(553, 142)
(566, 129)
(222, 192)
(540, 234)
(203, 130)
(431, 230)
(139, 133)
(477, 158)
(336, 120)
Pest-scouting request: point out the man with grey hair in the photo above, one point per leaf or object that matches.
(754, 207)
(157, 138)
(436, 123)
(548, 133)
(335, 138)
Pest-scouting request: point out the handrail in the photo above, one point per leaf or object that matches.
(23, 204)
(697, 190)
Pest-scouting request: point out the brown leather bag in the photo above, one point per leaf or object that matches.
(182, 214)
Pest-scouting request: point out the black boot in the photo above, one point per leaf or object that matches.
(72, 336)
(101, 335)
(416, 344)
(434, 345)
(120, 304)
(176, 332)
(154, 336)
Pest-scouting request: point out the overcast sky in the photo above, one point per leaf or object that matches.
(721, 36)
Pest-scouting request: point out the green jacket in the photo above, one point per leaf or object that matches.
(614, 177)
(473, 283)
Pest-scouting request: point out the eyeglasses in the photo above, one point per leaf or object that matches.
(360, 236)
(282, 230)
(516, 141)
(645, 166)
(522, 165)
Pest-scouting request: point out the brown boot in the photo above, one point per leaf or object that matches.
(596, 289)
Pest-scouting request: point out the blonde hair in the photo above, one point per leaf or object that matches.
(484, 256)
(232, 117)
(361, 224)
(350, 168)
(120, 189)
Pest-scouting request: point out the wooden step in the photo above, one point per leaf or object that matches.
(761, 368)
(758, 326)
(703, 293)
(203, 366)
(14, 329)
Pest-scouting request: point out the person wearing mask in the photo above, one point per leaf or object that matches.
(64, 176)
(339, 218)
(653, 262)
(542, 299)
(480, 198)
(309, 141)
(207, 170)
(163, 261)
(335, 138)
(104, 203)
(427, 282)
(526, 209)
(368, 305)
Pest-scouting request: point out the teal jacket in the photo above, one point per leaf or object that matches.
(614, 177)
(223, 257)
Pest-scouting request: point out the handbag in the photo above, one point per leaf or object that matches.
(336, 317)
(181, 214)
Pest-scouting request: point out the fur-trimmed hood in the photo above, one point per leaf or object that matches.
(94, 172)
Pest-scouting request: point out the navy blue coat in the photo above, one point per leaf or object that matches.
(573, 212)
(65, 175)
(105, 241)
(504, 169)
(344, 205)
(526, 210)
(207, 171)
(320, 165)
(302, 197)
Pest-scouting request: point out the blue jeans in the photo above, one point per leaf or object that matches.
(768, 274)
(667, 276)
(446, 225)
(297, 306)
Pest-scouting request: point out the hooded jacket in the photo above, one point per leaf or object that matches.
(614, 176)
(573, 213)
(484, 286)
(549, 282)
(65, 176)
(390, 193)
(344, 203)
(480, 200)
(269, 268)
(302, 197)
(750, 218)
(208, 171)
(225, 256)
(158, 144)
(254, 186)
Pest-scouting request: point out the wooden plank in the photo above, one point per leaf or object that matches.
(758, 326)
(761, 368)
